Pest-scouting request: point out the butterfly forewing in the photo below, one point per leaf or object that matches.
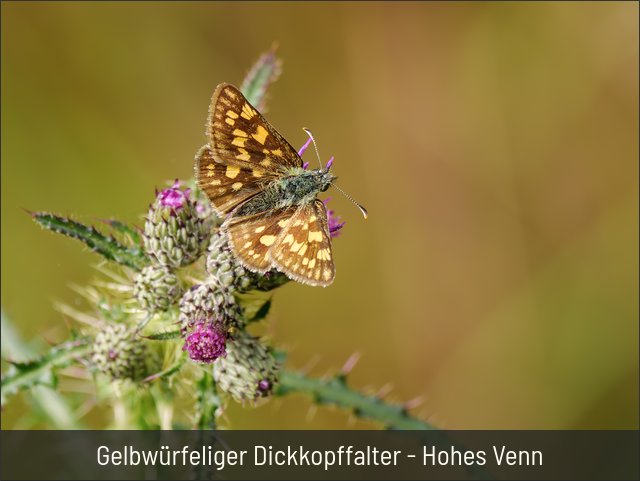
(240, 136)
(303, 249)
(252, 237)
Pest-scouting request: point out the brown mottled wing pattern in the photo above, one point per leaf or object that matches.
(240, 136)
(303, 248)
(253, 236)
(227, 186)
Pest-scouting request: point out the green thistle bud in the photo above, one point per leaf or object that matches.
(175, 234)
(208, 303)
(248, 371)
(119, 353)
(224, 268)
(157, 288)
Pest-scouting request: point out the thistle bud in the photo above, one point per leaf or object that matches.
(248, 371)
(224, 268)
(119, 353)
(157, 288)
(175, 234)
(208, 303)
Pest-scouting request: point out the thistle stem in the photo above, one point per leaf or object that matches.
(336, 392)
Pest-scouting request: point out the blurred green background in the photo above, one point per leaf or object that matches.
(494, 144)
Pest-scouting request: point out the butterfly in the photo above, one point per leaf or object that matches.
(256, 182)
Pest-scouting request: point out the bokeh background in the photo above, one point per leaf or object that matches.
(494, 144)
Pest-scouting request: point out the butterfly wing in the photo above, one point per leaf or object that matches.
(251, 237)
(244, 154)
(302, 251)
(240, 136)
(227, 186)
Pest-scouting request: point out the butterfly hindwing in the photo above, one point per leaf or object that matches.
(252, 237)
(240, 136)
(303, 249)
(227, 186)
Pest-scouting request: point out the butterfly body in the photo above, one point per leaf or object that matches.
(256, 182)
(299, 188)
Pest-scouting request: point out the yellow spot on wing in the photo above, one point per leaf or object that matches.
(239, 141)
(277, 152)
(265, 162)
(315, 236)
(215, 182)
(296, 246)
(260, 229)
(267, 239)
(240, 133)
(230, 121)
(312, 263)
(232, 171)
(232, 114)
(247, 112)
(261, 134)
(283, 223)
(237, 186)
(288, 239)
(243, 155)
(302, 250)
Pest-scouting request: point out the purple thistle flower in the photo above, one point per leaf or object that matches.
(206, 343)
(329, 163)
(304, 147)
(174, 197)
(333, 220)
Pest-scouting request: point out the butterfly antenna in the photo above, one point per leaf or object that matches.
(308, 132)
(359, 206)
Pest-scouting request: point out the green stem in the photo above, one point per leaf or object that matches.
(335, 391)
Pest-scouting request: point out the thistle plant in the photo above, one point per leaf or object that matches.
(168, 319)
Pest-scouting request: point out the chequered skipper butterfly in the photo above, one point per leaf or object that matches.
(256, 182)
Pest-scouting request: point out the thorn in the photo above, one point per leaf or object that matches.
(311, 413)
(414, 403)
(311, 364)
(30, 212)
(384, 390)
(351, 420)
(351, 363)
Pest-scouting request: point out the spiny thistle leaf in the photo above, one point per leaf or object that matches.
(127, 230)
(41, 371)
(264, 72)
(262, 312)
(335, 391)
(106, 246)
(164, 336)
(167, 372)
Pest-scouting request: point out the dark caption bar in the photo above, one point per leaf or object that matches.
(332, 455)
